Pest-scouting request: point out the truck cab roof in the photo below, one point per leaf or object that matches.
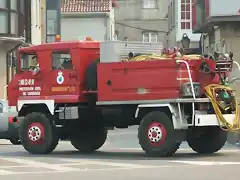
(63, 45)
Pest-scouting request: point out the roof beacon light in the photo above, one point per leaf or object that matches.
(88, 38)
(58, 38)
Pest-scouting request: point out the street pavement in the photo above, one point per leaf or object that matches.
(120, 159)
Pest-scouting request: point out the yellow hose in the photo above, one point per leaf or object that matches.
(163, 57)
(211, 94)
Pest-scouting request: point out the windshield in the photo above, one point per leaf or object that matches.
(28, 61)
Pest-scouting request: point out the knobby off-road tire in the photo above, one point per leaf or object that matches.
(174, 149)
(162, 124)
(41, 125)
(206, 140)
(90, 139)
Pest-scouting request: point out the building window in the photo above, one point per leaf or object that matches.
(14, 5)
(28, 61)
(149, 4)
(150, 37)
(3, 4)
(186, 18)
(4, 22)
(14, 22)
(22, 6)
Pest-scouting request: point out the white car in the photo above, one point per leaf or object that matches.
(8, 123)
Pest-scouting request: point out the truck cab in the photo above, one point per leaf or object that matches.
(54, 70)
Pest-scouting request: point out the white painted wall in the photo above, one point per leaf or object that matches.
(79, 28)
(36, 27)
(176, 33)
(100, 26)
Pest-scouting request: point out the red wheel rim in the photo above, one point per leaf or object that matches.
(156, 134)
(36, 133)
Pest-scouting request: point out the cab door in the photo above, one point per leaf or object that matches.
(63, 77)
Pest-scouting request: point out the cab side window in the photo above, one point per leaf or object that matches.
(28, 61)
(61, 60)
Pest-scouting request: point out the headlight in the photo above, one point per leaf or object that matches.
(186, 89)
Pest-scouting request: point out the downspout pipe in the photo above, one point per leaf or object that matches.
(7, 59)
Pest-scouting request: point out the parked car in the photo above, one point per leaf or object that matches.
(8, 124)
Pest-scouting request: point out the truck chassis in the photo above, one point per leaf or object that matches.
(163, 124)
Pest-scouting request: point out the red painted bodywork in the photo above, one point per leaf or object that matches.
(157, 77)
(82, 53)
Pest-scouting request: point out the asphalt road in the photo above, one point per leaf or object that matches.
(120, 159)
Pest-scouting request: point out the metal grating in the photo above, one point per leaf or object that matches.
(224, 65)
(115, 51)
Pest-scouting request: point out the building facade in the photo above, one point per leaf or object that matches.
(144, 20)
(19, 24)
(84, 18)
(180, 20)
(12, 31)
(218, 21)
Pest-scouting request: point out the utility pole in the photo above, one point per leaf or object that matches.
(53, 20)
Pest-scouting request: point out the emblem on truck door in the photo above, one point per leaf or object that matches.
(60, 78)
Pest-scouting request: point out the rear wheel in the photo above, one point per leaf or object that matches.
(156, 135)
(38, 134)
(88, 140)
(174, 149)
(206, 140)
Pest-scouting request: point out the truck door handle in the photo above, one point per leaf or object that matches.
(109, 83)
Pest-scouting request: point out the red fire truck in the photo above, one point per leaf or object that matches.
(79, 90)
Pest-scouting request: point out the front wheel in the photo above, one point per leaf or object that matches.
(206, 140)
(38, 134)
(156, 135)
(88, 140)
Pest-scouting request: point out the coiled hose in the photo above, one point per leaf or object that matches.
(210, 92)
(163, 57)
